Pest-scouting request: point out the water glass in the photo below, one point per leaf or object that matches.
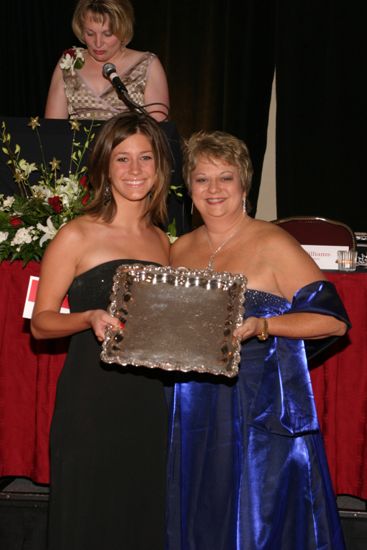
(347, 260)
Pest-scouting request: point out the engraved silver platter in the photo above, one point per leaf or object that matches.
(175, 319)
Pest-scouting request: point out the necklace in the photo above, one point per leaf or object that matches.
(213, 255)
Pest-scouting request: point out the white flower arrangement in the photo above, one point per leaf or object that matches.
(32, 217)
(72, 59)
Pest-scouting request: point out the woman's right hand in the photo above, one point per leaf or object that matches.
(100, 320)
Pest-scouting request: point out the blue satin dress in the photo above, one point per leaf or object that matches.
(246, 467)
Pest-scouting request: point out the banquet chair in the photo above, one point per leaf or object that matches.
(318, 231)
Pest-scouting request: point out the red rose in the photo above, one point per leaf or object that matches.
(84, 183)
(16, 221)
(70, 51)
(56, 204)
(85, 199)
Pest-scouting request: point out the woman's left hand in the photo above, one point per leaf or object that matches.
(252, 326)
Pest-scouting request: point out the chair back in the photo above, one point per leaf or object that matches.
(318, 231)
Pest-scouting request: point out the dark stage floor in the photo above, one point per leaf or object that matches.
(23, 517)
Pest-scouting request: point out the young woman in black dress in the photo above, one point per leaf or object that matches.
(108, 435)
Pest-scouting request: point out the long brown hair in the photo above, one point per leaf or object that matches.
(113, 132)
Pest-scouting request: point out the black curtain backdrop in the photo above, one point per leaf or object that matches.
(220, 56)
(321, 110)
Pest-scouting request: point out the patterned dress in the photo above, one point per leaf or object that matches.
(85, 104)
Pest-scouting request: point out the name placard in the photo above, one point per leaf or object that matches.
(31, 298)
(326, 256)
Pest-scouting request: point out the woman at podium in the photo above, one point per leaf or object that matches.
(80, 87)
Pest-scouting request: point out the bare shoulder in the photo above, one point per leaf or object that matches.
(163, 238)
(291, 265)
(62, 255)
(183, 248)
(77, 227)
(71, 237)
(57, 73)
(185, 240)
(134, 56)
(273, 238)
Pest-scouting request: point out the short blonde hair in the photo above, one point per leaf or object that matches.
(119, 12)
(113, 132)
(218, 145)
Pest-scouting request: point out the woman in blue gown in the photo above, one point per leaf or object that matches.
(247, 467)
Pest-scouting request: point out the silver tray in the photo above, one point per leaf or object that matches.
(175, 319)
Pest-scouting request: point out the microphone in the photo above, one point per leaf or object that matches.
(109, 71)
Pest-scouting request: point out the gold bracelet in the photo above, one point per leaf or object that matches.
(264, 334)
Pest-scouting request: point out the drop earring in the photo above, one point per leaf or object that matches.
(244, 205)
(107, 195)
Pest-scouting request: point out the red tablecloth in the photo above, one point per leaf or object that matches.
(340, 388)
(29, 371)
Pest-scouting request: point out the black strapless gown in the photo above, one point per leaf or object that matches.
(108, 442)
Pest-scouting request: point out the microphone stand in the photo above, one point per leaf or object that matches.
(109, 71)
(130, 104)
